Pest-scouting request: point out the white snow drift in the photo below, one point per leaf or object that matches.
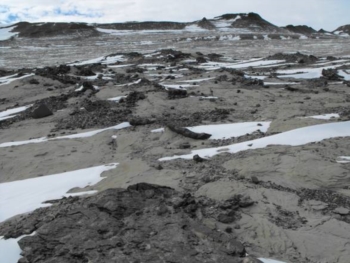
(73, 136)
(295, 137)
(11, 112)
(24, 196)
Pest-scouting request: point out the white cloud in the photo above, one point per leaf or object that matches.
(327, 14)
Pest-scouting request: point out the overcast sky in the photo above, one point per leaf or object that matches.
(327, 14)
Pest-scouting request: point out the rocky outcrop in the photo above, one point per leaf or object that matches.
(143, 223)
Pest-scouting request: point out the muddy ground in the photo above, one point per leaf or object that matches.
(296, 191)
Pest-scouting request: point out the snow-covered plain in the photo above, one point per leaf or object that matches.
(73, 136)
(11, 112)
(295, 137)
(24, 196)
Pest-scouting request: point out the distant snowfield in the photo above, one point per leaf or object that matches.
(295, 137)
(24, 196)
(73, 136)
(12, 112)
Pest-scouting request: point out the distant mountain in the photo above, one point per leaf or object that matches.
(34, 30)
(235, 24)
(248, 22)
(342, 31)
(305, 30)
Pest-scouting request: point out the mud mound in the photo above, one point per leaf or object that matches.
(59, 73)
(251, 21)
(206, 24)
(295, 57)
(35, 30)
(305, 30)
(342, 30)
(145, 223)
(144, 26)
(90, 114)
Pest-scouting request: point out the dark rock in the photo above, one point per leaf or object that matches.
(255, 180)
(227, 218)
(198, 159)
(187, 133)
(138, 121)
(177, 93)
(332, 74)
(33, 81)
(185, 145)
(201, 60)
(41, 111)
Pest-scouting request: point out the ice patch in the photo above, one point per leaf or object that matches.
(256, 63)
(103, 60)
(177, 86)
(24, 196)
(73, 136)
(195, 80)
(266, 260)
(344, 74)
(129, 84)
(295, 137)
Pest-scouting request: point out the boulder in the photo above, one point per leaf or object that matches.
(41, 111)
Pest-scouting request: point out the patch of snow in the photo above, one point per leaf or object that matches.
(9, 249)
(117, 99)
(129, 84)
(73, 136)
(281, 83)
(343, 159)
(194, 28)
(226, 131)
(24, 196)
(158, 130)
(266, 260)
(121, 66)
(256, 77)
(177, 86)
(323, 117)
(344, 74)
(6, 34)
(256, 63)
(295, 137)
(7, 113)
(103, 60)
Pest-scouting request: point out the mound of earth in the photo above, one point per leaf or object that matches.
(144, 223)
(305, 30)
(342, 30)
(294, 57)
(206, 24)
(144, 26)
(251, 21)
(35, 30)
